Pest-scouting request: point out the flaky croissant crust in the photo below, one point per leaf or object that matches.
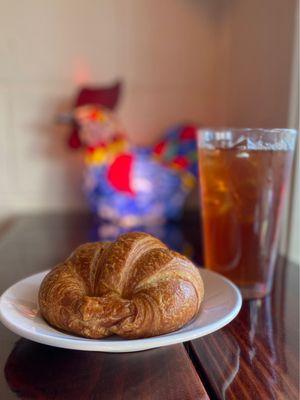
(134, 287)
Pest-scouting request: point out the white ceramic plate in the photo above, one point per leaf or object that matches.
(19, 313)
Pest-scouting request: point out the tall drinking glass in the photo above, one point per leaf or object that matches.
(243, 179)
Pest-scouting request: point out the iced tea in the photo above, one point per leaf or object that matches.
(241, 198)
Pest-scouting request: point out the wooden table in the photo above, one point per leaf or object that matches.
(254, 357)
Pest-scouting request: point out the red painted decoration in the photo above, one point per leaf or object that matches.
(181, 161)
(74, 142)
(103, 96)
(188, 133)
(159, 148)
(119, 173)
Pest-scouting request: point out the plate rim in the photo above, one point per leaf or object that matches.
(126, 345)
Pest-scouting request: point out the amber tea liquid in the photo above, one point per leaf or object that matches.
(241, 197)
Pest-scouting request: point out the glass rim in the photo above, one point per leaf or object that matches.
(290, 131)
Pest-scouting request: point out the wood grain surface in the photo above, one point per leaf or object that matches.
(257, 355)
(33, 371)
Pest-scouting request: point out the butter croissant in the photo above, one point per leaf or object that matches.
(134, 287)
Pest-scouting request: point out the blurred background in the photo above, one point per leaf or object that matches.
(212, 62)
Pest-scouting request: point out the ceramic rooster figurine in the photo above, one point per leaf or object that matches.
(130, 185)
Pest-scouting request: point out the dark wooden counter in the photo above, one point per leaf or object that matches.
(254, 357)
(257, 355)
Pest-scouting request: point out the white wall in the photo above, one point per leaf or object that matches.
(255, 49)
(163, 50)
(212, 61)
